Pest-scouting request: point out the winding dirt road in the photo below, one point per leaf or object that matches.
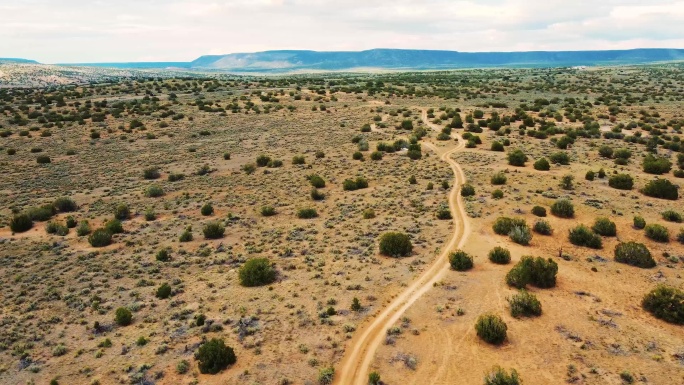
(353, 369)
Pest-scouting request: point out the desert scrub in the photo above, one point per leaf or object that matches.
(354, 184)
(467, 190)
(517, 158)
(672, 216)
(497, 194)
(504, 225)
(43, 159)
(326, 376)
(213, 230)
(298, 160)
(460, 260)
(500, 255)
(163, 291)
(542, 227)
(151, 173)
(563, 208)
(154, 191)
(524, 304)
(182, 367)
(122, 212)
(535, 271)
(498, 179)
(214, 356)
(605, 227)
(21, 223)
(317, 195)
(542, 165)
(443, 213)
(539, 211)
(256, 272)
(163, 255)
(491, 329)
(395, 244)
(621, 182)
(100, 238)
(498, 376)
(123, 316)
(114, 226)
(521, 235)
(665, 303)
(316, 181)
(583, 236)
(65, 205)
(307, 213)
(657, 233)
(207, 209)
(662, 189)
(639, 222)
(262, 160)
(267, 211)
(57, 228)
(83, 229)
(634, 254)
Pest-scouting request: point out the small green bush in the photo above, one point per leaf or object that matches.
(536, 271)
(634, 254)
(497, 146)
(65, 205)
(257, 272)
(499, 179)
(376, 155)
(357, 155)
(542, 227)
(656, 165)
(307, 213)
(517, 158)
(213, 230)
(114, 226)
(43, 159)
(605, 227)
(500, 255)
(443, 213)
(182, 367)
(560, 158)
(368, 214)
(186, 236)
(498, 376)
(123, 316)
(563, 208)
(583, 236)
(163, 255)
(497, 194)
(100, 238)
(267, 211)
(525, 304)
(657, 233)
(661, 188)
(316, 181)
(83, 229)
(542, 165)
(71, 222)
(41, 213)
(521, 235)
(665, 303)
(504, 225)
(122, 212)
(491, 328)
(207, 209)
(214, 356)
(639, 222)
(460, 260)
(262, 160)
(354, 184)
(539, 211)
(467, 190)
(326, 375)
(151, 173)
(21, 223)
(393, 244)
(163, 291)
(590, 175)
(317, 195)
(249, 168)
(298, 160)
(621, 182)
(672, 216)
(154, 191)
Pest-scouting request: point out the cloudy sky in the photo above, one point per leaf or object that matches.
(63, 31)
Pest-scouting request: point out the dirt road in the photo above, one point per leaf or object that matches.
(353, 370)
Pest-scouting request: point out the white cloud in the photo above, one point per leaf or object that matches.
(181, 30)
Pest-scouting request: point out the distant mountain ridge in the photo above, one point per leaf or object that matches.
(284, 61)
(4, 60)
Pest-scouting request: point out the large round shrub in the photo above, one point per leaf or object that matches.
(316, 181)
(395, 244)
(467, 190)
(491, 328)
(542, 165)
(500, 255)
(257, 272)
(213, 230)
(656, 165)
(207, 209)
(163, 291)
(460, 260)
(536, 271)
(100, 238)
(605, 227)
(21, 223)
(539, 211)
(123, 316)
(634, 254)
(563, 208)
(525, 304)
(122, 212)
(65, 205)
(214, 356)
(114, 226)
(583, 236)
(154, 191)
(504, 225)
(666, 303)
(621, 182)
(517, 158)
(498, 179)
(657, 233)
(521, 235)
(542, 227)
(661, 188)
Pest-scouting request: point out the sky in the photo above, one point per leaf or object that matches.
(86, 31)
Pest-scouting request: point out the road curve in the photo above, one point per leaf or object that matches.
(354, 367)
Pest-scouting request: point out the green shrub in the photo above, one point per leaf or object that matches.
(207, 209)
(500, 255)
(214, 356)
(257, 272)
(535, 271)
(504, 225)
(467, 190)
(601, 173)
(497, 146)
(357, 155)
(563, 208)
(567, 182)
(589, 175)
(393, 244)
(680, 236)
(498, 179)
(151, 173)
(657, 233)
(354, 184)
(661, 188)
(525, 304)
(163, 255)
(634, 254)
(656, 165)
(83, 229)
(249, 168)
(123, 316)
(298, 160)
(517, 158)
(41, 213)
(665, 303)
(21, 223)
(460, 260)
(621, 182)
(262, 160)
(374, 378)
(443, 213)
(606, 151)
(583, 236)
(154, 191)
(605, 227)
(163, 291)
(316, 181)
(267, 211)
(559, 158)
(542, 165)
(639, 222)
(317, 195)
(376, 155)
(491, 328)
(542, 227)
(672, 216)
(114, 226)
(368, 214)
(213, 230)
(186, 236)
(100, 238)
(43, 159)
(326, 375)
(71, 222)
(307, 213)
(182, 367)
(521, 235)
(622, 153)
(498, 376)
(539, 211)
(175, 177)
(497, 194)
(65, 205)
(54, 227)
(122, 212)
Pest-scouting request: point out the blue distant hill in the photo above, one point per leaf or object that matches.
(401, 59)
(17, 60)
